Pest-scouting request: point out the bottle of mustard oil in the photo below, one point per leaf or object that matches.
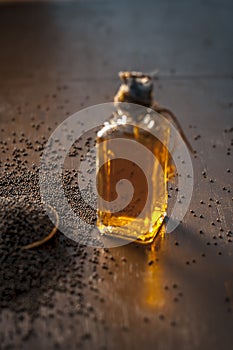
(133, 164)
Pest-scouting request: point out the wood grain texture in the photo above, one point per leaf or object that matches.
(57, 58)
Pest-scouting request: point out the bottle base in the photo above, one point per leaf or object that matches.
(134, 234)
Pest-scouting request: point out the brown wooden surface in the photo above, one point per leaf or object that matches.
(57, 58)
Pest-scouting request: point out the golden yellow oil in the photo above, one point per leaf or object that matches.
(149, 184)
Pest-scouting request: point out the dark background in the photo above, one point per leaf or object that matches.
(55, 59)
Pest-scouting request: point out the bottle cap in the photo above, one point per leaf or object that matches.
(136, 88)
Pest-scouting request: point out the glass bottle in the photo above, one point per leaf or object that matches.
(147, 168)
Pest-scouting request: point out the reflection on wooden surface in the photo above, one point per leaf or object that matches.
(57, 58)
